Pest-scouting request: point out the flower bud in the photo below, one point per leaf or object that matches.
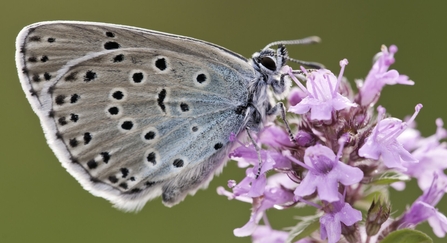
(378, 213)
(350, 233)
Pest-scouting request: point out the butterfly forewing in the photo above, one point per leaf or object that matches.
(133, 113)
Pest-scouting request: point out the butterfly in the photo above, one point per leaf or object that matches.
(133, 114)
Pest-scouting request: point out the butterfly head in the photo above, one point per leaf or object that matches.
(268, 63)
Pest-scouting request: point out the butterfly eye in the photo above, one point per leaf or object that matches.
(267, 62)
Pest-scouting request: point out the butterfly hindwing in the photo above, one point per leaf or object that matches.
(133, 113)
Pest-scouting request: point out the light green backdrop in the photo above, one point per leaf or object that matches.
(40, 202)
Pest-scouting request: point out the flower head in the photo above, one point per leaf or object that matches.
(383, 142)
(262, 193)
(325, 172)
(379, 76)
(337, 213)
(322, 94)
(424, 209)
(431, 154)
(348, 157)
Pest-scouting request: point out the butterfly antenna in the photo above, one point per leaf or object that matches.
(304, 41)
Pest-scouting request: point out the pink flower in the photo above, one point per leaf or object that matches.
(383, 142)
(325, 172)
(379, 76)
(262, 193)
(332, 183)
(431, 154)
(335, 214)
(322, 94)
(424, 209)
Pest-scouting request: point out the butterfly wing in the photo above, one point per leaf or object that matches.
(133, 113)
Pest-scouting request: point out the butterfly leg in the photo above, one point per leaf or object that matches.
(257, 152)
(280, 107)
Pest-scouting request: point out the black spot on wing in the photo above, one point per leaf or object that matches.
(58, 135)
(92, 164)
(161, 64)
(201, 78)
(127, 125)
(62, 121)
(74, 117)
(60, 99)
(151, 158)
(123, 185)
(149, 183)
(36, 78)
(118, 58)
(218, 146)
(178, 163)
(113, 110)
(110, 34)
(110, 45)
(113, 179)
(184, 107)
(124, 172)
(71, 77)
(89, 76)
(44, 59)
(118, 95)
(87, 138)
(135, 190)
(74, 98)
(34, 38)
(149, 135)
(47, 76)
(105, 157)
(73, 142)
(74, 160)
(137, 77)
(161, 98)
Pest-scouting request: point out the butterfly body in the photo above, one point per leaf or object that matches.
(133, 114)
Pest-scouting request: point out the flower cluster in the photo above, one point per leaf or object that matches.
(344, 155)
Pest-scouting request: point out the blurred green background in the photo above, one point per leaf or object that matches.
(40, 202)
